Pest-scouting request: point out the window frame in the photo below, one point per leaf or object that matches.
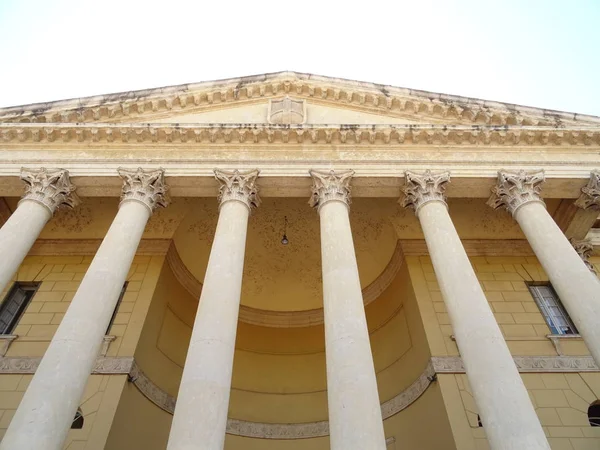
(555, 328)
(28, 286)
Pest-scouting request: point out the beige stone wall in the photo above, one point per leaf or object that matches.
(60, 277)
(561, 400)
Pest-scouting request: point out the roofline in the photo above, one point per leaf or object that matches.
(98, 100)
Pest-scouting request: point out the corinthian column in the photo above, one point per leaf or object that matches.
(506, 411)
(576, 286)
(200, 415)
(355, 421)
(45, 191)
(46, 412)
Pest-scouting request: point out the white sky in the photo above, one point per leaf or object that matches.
(543, 53)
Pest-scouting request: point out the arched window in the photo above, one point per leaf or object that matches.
(78, 420)
(594, 414)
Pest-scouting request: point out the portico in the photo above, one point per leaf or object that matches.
(237, 340)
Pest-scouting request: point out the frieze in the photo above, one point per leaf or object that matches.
(248, 134)
(525, 364)
(104, 365)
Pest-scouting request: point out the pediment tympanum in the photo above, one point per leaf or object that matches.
(327, 101)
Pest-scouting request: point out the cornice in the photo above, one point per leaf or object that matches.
(261, 134)
(375, 97)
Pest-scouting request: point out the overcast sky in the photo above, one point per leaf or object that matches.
(542, 53)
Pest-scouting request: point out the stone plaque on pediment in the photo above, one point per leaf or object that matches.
(287, 111)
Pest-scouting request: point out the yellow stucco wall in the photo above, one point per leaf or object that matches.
(561, 400)
(60, 277)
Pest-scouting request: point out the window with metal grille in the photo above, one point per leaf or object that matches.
(14, 305)
(552, 309)
(114, 314)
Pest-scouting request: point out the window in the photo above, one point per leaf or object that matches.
(14, 305)
(114, 314)
(77, 420)
(552, 309)
(594, 414)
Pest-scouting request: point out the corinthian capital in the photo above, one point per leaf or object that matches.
(238, 186)
(424, 188)
(590, 193)
(330, 186)
(50, 188)
(584, 249)
(515, 189)
(144, 186)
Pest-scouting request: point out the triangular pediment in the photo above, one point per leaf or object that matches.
(326, 101)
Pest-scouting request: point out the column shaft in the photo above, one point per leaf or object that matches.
(507, 414)
(200, 417)
(355, 421)
(46, 412)
(18, 235)
(577, 287)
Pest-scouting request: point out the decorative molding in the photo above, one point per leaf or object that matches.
(424, 188)
(261, 134)
(590, 193)
(50, 188)
(438, 364)
(104, 365)
(147, 187)
(584, 249)
(238, 186)
(287, 111)
(368, 97)
(75, 247)
(284, 430)
(515, 189)
(474, 247)
(286, 319)
(525, 364)
(330, 186)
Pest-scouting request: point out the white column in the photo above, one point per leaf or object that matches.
(45, 191)
(355, 421)
(200, 417)
(575, 284)
(46, 412)
(506, 411)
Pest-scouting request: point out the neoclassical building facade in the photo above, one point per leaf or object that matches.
(296, 262)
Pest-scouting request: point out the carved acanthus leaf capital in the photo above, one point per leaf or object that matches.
(145, 186)
(424, 188)
(238, 186)
(584, 249)
(51, 188)
(515, 189)
(330, 186)
(590, 193)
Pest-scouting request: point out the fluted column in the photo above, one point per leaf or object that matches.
(355, 421)
(507, 414)
(45, 191)
(200, 417)
(46, 412)
(575, 284)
